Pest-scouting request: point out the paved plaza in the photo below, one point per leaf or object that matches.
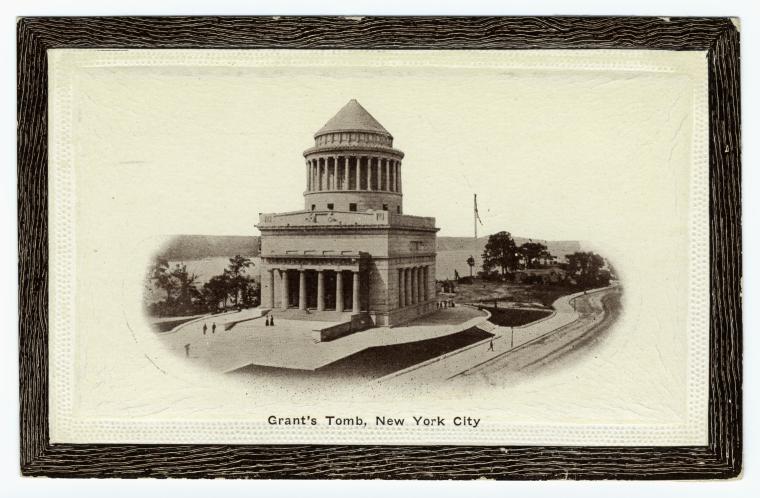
(243, 339)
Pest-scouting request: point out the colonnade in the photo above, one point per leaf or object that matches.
(337, 296)
(353, 173)
(414, 285)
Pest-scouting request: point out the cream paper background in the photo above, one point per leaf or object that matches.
(604, 146)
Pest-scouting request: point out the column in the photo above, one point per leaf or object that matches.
(401, 288)
(334, 180)
(415, 285)
(398, 175)
(358, 164)
(413, 275)
(421, 284)
(394, 187)
(345, 173)
(355, 291)
(338, 290)
(325, 178)
(407, 288)
(375, 185)
(313, 176)
(426, 283)
(328, 176)
(369, 173)
(270, 293)
(301, 289)
(320, 290)
(392, 168)
(338, 176)
(284, 283)
(392, 178)
(308, 177)
(387, 185)
(334, 183)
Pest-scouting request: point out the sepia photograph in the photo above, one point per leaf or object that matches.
(379, 248)
(351, 288)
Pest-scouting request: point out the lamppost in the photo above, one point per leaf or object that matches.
(471, 263)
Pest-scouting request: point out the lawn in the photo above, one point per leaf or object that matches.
(375, 362)
(530, 294)
(515, 317)
(167, 325)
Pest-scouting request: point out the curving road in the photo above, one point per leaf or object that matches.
(596, 311)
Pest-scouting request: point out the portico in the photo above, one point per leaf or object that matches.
(313, 287)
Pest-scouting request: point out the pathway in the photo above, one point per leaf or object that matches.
(503, 343)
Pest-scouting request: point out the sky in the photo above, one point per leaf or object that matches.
(552, 144)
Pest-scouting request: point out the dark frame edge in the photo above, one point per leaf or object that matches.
(726, 424)
(721, 459)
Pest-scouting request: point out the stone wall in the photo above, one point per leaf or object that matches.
(364, 201)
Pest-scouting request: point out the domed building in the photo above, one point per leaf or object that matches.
(351, 253)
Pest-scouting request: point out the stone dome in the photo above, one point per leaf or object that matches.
(352, 117)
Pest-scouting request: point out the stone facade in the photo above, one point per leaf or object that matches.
(351, 249)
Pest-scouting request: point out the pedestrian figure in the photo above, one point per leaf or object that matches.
(490, 345)
(187, 350)
(205, 327)
(266, 321)
(213, 328)
(271, 321)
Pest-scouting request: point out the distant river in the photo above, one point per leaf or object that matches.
(209, 267)
(446, 263)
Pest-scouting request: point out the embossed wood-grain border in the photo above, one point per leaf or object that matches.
(721, 458)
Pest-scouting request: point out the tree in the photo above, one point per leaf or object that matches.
(160, 276)
(471, 264)
(585, 268)
(236, 273)
(184, 287)
(251, 294)
(500, 252)
(532, 252)
(216, 291)
(178, 284)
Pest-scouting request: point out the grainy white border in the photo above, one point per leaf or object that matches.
(62, 197)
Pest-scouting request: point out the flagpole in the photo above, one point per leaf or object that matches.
(475, 214)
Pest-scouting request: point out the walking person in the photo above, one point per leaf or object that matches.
(187, 350)
(266, 321)
(213, 328)
(205, 328)
(271, 321)
(490, 345)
